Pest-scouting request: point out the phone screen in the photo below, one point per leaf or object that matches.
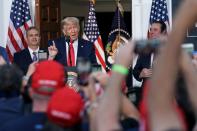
(42, 55)
(189, 47)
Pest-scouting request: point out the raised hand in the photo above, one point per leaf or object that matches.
(52, 51)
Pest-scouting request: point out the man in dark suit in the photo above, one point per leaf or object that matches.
(143, 67)
(25, 57)
(70, 47)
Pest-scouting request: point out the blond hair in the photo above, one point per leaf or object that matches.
(69, 20)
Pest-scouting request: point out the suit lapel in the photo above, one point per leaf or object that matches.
(63, 45)
(80, 48)
(28, 56)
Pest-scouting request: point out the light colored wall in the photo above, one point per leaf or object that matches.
(5, 6)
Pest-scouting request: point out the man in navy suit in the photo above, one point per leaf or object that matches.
(61, 46)
(143, 67)
(25, 57)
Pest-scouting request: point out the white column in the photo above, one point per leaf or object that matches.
(5, 5)
(32, 5)
(169, 2)
(140, 18)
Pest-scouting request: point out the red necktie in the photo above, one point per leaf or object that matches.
(71, 55)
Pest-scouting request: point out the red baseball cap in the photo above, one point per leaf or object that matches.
(65, 107)
(48, 76)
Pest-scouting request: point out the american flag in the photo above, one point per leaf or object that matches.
(20, 21)
(91, 33)
(159, 12)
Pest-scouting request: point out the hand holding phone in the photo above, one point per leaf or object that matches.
(42, 55)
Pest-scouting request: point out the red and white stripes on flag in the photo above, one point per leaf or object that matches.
(91, 33)
(20, 21)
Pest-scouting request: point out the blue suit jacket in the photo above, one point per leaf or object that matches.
(23, 59)
(85, 49)
(4, 54)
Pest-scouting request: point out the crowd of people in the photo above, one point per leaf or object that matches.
(35, 96)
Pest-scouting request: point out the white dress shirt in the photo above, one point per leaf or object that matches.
(31, 52)
(152, 60)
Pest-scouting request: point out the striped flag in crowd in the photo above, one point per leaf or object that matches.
(91, 33)
(20, 21)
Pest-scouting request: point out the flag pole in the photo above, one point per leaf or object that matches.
(118, 5)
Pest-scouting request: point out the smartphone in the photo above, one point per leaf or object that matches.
(42, 55)
(70, 76)
(188, 47)
(84, 68)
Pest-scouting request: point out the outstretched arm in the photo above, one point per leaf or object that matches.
(108, 120)
(190, 75)
(161, 96)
